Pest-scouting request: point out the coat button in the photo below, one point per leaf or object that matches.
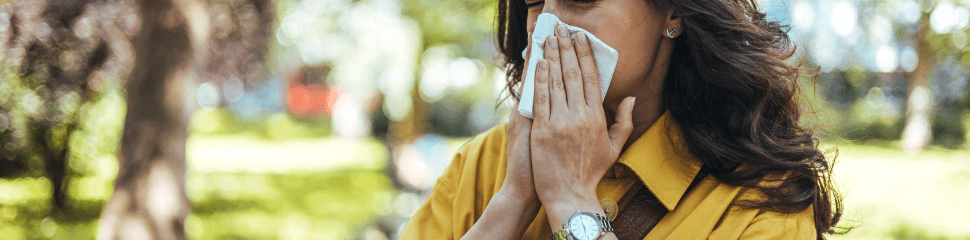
(609, 206)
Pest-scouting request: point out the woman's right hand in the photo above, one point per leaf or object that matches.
(510, 212)
(518, 181)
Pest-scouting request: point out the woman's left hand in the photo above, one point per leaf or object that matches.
(571, 146)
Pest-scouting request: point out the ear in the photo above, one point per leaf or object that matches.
(672, 22)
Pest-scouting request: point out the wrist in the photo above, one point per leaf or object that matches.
(505, 217)
(568, 197)
(562, 209)
(524, 199)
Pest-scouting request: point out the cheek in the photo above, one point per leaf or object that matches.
(632, 28)
(638, 51)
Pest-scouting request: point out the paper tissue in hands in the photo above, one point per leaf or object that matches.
(604, 55)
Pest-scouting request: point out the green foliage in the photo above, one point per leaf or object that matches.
(22, 106)
(26, 210)
(465, 22)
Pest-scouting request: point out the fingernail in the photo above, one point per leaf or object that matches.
(542, 65)
(634, 101)
(553, 42)
(581, 38)
(561, 29)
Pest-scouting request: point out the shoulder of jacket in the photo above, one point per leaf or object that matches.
(494, 135)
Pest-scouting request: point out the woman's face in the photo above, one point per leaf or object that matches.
(635, 28)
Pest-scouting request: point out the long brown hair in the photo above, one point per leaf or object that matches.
(730, 64)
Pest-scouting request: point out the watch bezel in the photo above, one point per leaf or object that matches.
(599, 225)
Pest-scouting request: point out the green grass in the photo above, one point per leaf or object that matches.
(286, 206)
(332, 189)
(324, 205)
(240, 187)
(892, 194)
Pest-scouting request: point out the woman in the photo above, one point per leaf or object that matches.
(711, 147)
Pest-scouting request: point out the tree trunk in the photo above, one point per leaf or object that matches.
(149, 200)
(917, 133)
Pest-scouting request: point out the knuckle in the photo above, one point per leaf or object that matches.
(541, 99)
(574, 73)
(589, 78)
(566, 44)
(600, 119)
(558, 84)
(561, 127)
(583, 52)
(552, 58)
(627, 127)
(581, 124)
(540, 136)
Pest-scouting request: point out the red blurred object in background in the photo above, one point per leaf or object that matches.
(308, 96)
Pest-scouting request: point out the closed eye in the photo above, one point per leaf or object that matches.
(537, 3)
(533, 4)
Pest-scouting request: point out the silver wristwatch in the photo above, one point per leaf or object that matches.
(583, 225)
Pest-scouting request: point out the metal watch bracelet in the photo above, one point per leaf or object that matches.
(563, 233)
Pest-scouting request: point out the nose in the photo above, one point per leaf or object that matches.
(556, 7)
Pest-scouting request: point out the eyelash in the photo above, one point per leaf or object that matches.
(537, 3)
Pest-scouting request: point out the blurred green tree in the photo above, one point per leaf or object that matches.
(59, 55)
(895, 69)
(941, 34)
(178, 42)
(460, 29)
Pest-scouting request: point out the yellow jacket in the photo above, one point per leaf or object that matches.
(659, 162)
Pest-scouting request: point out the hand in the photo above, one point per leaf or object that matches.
(510, 212)
(571, 146)
(518, 182)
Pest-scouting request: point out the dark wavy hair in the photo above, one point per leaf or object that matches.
(731, 64)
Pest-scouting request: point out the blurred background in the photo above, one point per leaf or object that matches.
(331, 119)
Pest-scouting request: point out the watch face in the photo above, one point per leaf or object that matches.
(584, 227)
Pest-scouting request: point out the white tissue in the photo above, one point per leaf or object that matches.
(604, 55)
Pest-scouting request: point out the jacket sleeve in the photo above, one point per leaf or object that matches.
(433, 220)
(463, 190)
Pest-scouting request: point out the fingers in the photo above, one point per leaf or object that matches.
(540, 102)
(591, 76)
(621, 129)
(557, 93)
(572, 76)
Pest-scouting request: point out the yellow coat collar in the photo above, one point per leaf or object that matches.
(661, 160)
